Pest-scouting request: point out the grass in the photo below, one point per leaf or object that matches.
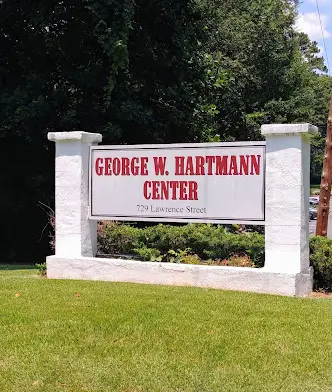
(314, 190)
(98, 336)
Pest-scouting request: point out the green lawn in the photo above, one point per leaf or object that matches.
(98, 336)
(314, 189)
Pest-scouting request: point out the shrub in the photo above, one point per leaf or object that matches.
(321, 260)
(251, 244)
(117, 238)
(41, 268)
(191, 259)
(148, 254)
(183, 244)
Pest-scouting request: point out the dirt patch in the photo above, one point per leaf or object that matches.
(319, 294)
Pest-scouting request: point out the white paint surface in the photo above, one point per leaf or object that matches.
(286, 270)
(229, 197)
(287, 197)
(75, 234)
(226, 278)
(288, 129)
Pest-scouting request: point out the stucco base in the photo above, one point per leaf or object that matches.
(227, 278)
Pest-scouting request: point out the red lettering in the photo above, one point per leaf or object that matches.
(174, 185)
(221, 165)
(210, 161)
(193, 194)
(164, 190)
(179, 166)
(159, 165)
(244, 165)
(178, 190)
(190, 167)
(255, 164)
(108, 170)
(134, 168)
(144, 166)
(233, 166)
(116, 168)
(125, 167)
(99, 166)
(183, 194)
(155, 193)
(146, 187)
(122, 166)
(200, 166)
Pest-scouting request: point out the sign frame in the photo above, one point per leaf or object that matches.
(163, 219)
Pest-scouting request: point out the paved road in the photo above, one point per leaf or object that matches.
(329, 226)
(312, 227)
(312, 224)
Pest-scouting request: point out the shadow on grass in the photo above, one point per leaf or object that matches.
(14, 267)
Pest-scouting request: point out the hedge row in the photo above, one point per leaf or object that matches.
(187, 243)
(207, 244)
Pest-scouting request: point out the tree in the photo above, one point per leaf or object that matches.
(148, 71)
(260, 67)
(125, 69)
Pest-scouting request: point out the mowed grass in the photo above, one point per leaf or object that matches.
(99, 336)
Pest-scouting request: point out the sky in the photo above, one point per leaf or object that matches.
(308, 22)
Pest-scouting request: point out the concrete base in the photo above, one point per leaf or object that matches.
(227, 278)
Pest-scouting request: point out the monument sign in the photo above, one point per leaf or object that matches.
(212, 183)
(251, 182)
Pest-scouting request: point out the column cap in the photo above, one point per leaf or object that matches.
(286, 129)
(84, 137)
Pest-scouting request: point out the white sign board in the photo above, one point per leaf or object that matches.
(210, 182)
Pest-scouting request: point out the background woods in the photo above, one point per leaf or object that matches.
(142, 72)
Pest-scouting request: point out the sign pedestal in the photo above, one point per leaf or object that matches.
(75, 234)
(287, 197)
(286, 270)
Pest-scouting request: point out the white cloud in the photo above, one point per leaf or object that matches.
(309, 23)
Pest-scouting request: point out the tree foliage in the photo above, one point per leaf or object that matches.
(260, 67)
(125, 69)
(142, 72)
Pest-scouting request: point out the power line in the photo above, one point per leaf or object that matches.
(321, 26)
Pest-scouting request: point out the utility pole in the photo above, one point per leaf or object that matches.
(325, 186)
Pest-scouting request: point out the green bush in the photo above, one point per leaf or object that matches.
(148, 254)
(228, 244)
(179, 243)
(117, 238)
(321, 260)
(41, 267)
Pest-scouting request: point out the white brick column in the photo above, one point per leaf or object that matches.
(287, 197)
(75, 234)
